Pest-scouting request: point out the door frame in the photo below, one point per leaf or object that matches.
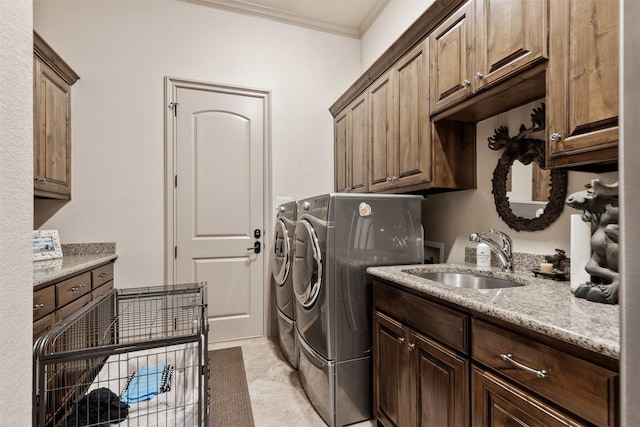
(171, 85)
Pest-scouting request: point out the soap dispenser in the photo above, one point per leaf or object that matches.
(483, 255)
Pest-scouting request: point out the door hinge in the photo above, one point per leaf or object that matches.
(174, 106)
(175, 181)
(175, 252)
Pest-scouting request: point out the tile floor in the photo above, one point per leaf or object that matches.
(277, 398)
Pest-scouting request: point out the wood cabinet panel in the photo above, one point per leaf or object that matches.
(71, 308)
(441, 323)
(497, 403)
(412, 152)
(391, 372)
(101, 290)
(510, 35)
(576, 384)
(350, 142)
(340, 149)
(452, 59)
(44, 302)
(417, 380)
(70, 289)
(382, 126)
(582, 83)
(52, 122)
(442, 384)
(101, 275)
(43, 325)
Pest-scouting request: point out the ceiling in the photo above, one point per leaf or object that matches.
(350, 18)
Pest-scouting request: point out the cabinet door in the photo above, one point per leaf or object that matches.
(510, 35)
(382, 113)
(357, 145)
(441, 383)
(52, 133)
(452, 59)
(582, 82)
(500, 404)
(391, 394)
(340, 151)
(413, 149)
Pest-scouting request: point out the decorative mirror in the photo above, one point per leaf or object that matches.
(520, 154)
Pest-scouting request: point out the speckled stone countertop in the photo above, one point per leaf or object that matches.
(76, 257)
(542, 305)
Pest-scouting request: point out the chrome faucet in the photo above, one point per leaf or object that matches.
(503, 252)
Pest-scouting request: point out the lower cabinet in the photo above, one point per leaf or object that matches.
(418, 381)
(441, 367)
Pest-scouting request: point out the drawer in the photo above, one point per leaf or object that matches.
(70, 289)
(102, 275)
(101, 290)
(584, 388)
(69, 309)
(440, 323)
(44, 302)
(43, 325)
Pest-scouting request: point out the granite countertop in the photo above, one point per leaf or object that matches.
(542, 305)
(77, 257)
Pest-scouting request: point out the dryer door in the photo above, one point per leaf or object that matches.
(307, 269)
(281, 261)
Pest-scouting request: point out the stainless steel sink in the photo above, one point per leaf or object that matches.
(467, 280)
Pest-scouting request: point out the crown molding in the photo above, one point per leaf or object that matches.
(252, 9)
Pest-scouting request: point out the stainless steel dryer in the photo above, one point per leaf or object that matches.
(337, 236)
(281, 263)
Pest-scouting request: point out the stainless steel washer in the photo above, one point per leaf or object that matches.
(282, 278)
(337, 236)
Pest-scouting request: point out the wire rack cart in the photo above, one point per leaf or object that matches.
(132, 357)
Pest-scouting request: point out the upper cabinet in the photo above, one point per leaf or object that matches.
(52, 80)
(452, 59)
(392, 115)
(400, 150)
(465, 61)
(582, 84)
(481, 44)
(350, 133)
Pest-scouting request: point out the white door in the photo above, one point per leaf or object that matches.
(218, 201)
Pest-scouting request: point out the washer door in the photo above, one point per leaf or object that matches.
(281, 261)
(307, 270)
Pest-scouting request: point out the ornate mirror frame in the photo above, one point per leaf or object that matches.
(526, 151)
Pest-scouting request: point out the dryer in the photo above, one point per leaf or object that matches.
(282, 278)
(337, 236)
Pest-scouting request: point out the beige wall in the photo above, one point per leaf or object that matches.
(392, 22)
(16, 212)
(450, 217)
(122, 50)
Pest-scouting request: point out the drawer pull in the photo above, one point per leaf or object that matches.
(509, 358)
(38, 307)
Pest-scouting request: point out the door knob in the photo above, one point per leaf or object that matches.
(257, 247)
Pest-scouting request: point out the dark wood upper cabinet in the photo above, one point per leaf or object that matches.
(52, 80)
(582, 85)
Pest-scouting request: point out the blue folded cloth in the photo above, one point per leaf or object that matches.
(145, 384)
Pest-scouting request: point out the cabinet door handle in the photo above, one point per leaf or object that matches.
(556, 137)
(478, 75)
(411, 346)
(538, 373)
(466, 83)
(401, 340)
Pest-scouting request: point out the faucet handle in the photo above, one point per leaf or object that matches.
(506, 240)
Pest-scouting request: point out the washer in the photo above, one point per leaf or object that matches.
(282, 278)
(337, 236)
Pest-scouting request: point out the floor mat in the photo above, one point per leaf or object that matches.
(230, 401)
